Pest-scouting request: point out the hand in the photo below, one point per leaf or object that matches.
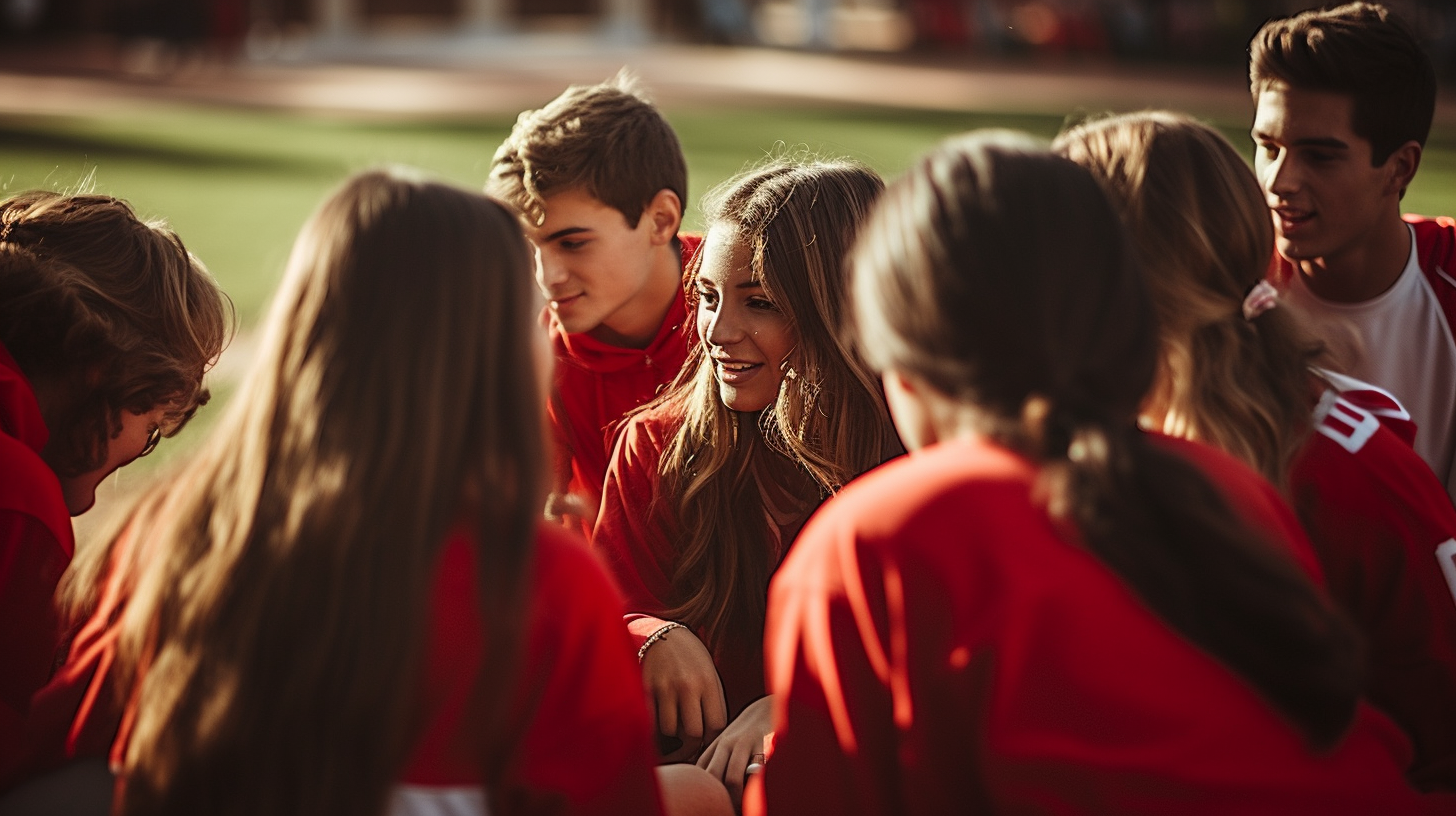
(568, 508)
(684, 691)
(740, 743)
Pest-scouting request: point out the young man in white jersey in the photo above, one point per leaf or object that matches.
(1344, 99)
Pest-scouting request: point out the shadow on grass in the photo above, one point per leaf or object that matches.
(41, 139)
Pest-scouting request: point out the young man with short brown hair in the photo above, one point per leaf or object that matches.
(599, 179)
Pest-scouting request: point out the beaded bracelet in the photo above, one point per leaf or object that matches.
(654, 637)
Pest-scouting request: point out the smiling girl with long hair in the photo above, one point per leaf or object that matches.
(771, 414)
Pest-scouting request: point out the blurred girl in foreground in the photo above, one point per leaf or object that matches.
(710, 484)
(1043, 609)
(1235, 371)
(347, 604)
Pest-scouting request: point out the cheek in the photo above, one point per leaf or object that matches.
(704, 321)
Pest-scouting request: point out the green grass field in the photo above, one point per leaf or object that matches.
(238, 184)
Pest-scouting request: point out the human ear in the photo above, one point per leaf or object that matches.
(1402, 166)
(664, 215)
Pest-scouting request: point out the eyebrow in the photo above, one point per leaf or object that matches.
(562, 233)
(1324, 141)
(752, 284)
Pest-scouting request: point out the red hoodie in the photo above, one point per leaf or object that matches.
(597, 384)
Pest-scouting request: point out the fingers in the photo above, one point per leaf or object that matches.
(727, 759)
(715, 712)
(691, 721)
(666, 714)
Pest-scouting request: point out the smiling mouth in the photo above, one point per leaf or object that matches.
(1292, 219)
(733, 371)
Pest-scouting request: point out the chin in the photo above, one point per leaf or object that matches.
(79, 497)
(76, 508)
(735, 401)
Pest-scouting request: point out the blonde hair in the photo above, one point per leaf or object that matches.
(282, 580)
(108, 312)
(607, 140)
(1202, 237)
(798, 217)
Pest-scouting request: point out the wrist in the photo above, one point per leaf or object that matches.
(658, 634)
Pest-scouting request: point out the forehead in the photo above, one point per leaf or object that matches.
(1291, 114)
(575, 208)
(727, 257)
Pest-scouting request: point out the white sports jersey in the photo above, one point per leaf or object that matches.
(1400, 341)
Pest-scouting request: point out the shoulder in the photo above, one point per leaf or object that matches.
(1350, 410)
(28, 487)
(1436, 247)
(564, 566)
(646, 433)
(918, 501)
(1255, 501)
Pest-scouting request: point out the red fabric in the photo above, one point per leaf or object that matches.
(36, 544)
(597, 384)
(587, 749)
(936, 646)
(1436, 253)
(1377, 516)
(637, 535)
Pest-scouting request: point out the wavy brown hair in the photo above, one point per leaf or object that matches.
(996, 273)
(1200, 232)
(607, 140)
(282, 582)
(105, 312)
(829, 422)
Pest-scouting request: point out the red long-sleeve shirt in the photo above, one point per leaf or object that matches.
(587, 749)
(1385, 531)
(935, 645)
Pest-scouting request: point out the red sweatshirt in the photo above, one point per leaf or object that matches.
(587, 749)
(638, 535)
(597, 384)
(935, 645)
(36, 544)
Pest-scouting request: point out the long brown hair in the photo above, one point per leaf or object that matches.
(107, 312)
(829, 420)
(996, 272)
(1201, 234)
(282, 581)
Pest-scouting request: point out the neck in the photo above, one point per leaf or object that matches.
(1364, 271)
(635, 325)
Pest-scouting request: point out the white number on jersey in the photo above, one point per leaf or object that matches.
(1348, 424)
(1446, 555)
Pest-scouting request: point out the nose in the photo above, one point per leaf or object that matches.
(550, 272)
(1280, 176)
(723, 328)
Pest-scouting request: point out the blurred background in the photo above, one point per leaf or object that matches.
(231, 119)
